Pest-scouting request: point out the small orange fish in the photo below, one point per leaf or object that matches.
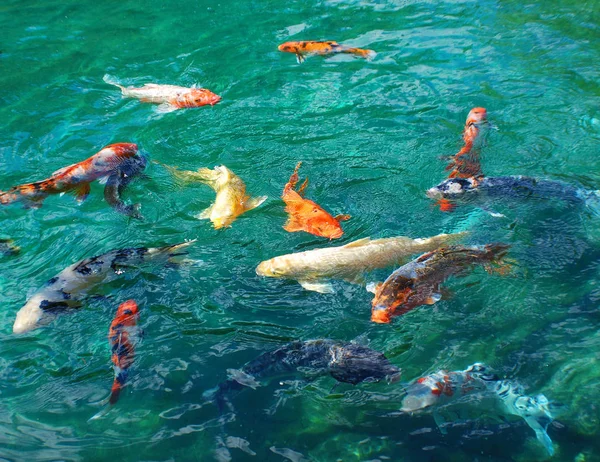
(76, 177)
(466, 162)
(313, 47)
(169, 97)
(122, 348)
(305, 215)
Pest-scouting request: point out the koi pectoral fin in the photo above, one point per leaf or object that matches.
(342, 217)
(293, 226)
(205, 214)
(82, 192)
(317, 286)
(434, 298)
(165, 108)
(254, 202)
(299, 58)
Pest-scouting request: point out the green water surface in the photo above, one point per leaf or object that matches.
(371, 135)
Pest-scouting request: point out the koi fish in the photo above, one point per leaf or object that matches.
(8, 248)
(461, 190)
(169, 97)
(444, 387)
(67, 289)
(305, 215)
(119, 180)
(122, 348)
(350, 262)
(418, 282)
(231, 200)
(302, 48)
(466, 162)
(346, 362)
(76, 177)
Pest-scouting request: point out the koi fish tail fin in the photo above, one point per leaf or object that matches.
(184, 177)
(218, 395)
(293, 181)
(254, 202)
(105, 410)
(539, 425)
(592, 202)
(109, 79)
(367, 54)
(497, 262)
(177, 255)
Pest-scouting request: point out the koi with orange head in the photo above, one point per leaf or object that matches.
(466, 163)
(418, 282)
(314, 47)
(110, 162)
(305, 215)
(169, 97)
(123, 350)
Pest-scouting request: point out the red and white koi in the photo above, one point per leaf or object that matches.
(169, 97)
(443, 387)
(74, 178)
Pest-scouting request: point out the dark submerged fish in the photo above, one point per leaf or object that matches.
(456, 190)
(418, 282)
(8, 248)
(119, 180)
(68, 288)
(344, 361)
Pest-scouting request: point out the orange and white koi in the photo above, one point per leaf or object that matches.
(314, 47)
(466, 162)
(123, 350)
(169, 97)
(305, 215)
(76, 177)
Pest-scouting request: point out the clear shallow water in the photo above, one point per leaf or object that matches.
(370, 135)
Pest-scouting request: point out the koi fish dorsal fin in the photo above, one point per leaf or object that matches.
(254, 202)
(358, 243)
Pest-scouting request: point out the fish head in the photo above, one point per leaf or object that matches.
(30, 316)
(477, 116)
(420, 395)
(202, 96)
(389, 297)
(321, 223)
(127, 313)
(451, 188)
(288, 47)
(273, 268)
(356, 363)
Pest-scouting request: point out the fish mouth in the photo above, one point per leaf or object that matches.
(434, 193)
(380, 315)
(335, 234)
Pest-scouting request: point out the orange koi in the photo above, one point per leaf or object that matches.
(305, 215)
(169, 97)
(122, 348)
(76, 177)
(313, 47)
(466, 163)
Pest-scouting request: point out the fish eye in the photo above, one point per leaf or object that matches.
(315, 210)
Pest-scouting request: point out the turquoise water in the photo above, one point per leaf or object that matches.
(371, 135)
